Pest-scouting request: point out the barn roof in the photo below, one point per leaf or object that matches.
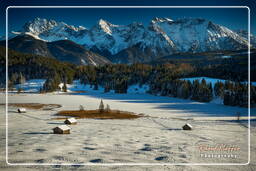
(188, 125)
(71, 120)
(63, 127)
(22, 109)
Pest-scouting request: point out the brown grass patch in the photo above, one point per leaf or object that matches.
(60, 118)
(34, 105)
(96, 114)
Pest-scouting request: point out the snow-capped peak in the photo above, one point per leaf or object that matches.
(81, 28)
(39, 25)
(103, 22)
(159, 19)
(105, 26)
(51, 30)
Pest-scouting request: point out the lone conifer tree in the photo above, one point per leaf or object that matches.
(107, 108)
(101, 107)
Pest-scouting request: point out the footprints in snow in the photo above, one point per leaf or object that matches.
(161, 158)
(96, 161)
(40, 150)
(164, 149)
(89, 148)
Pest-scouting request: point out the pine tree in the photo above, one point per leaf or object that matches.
(96, 86)
(106, 88)
(195, 90)
(107, 108)
(52, 84)
(219, 89)
(21, 79)
(64, 88)
(10, 84)
(14, 78)
(81, 108)
(101, 106)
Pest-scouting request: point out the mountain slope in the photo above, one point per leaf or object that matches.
(63, 50)
(244, 34)
(28, 44)
(199, 35)
(33, 67)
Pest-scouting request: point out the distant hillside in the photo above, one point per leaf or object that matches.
(229, 65)
(33, 66)
(63, 50)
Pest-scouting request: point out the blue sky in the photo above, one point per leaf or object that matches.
(231, 18)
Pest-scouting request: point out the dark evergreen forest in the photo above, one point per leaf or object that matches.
(163, 79)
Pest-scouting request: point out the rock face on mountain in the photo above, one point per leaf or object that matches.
(138, 43)
(244, 34)
(63, 50)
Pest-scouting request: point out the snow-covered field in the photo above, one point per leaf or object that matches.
(33, 85)
(157, 138)
(36, 84)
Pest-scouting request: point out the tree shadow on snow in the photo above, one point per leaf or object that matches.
(182, 105)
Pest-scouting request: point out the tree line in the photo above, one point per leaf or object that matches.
(163, 79)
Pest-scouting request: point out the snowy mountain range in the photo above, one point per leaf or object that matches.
(138, 43)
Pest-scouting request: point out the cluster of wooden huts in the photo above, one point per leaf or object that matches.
(62, 129)
(65, 129)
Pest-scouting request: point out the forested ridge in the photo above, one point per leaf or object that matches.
(163, 79)
(30, 66)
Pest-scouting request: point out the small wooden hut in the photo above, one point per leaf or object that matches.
(187, 126)
(22, 110)
(63, 129)
(70, 121)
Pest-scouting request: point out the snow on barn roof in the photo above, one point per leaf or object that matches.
(71, 120)
(21, 110)
(188, 125)
(63, 127)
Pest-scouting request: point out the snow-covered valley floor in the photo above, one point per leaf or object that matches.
(154, 139)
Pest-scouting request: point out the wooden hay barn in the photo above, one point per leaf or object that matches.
(63, 129)
(70, 121)
(187, 126)
(22, 110)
